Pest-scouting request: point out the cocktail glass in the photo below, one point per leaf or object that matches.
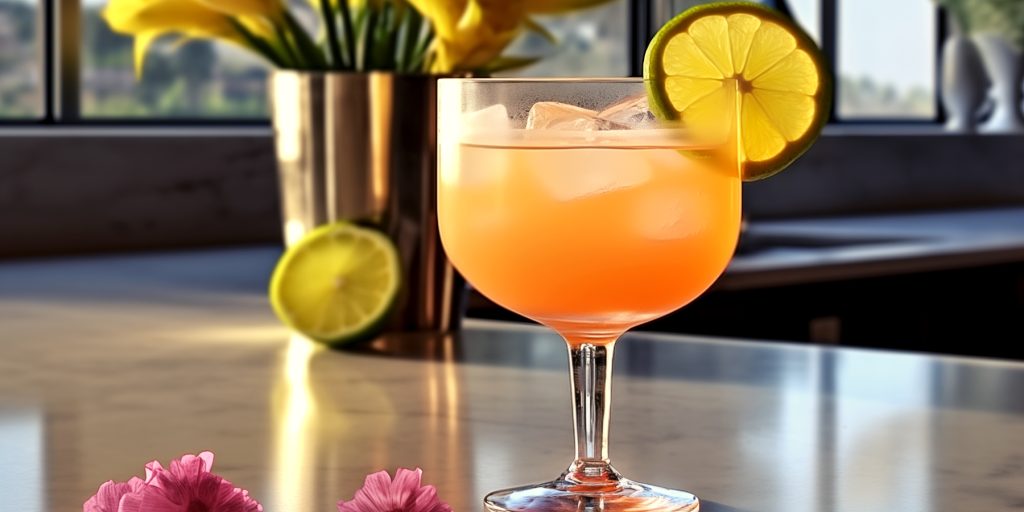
(569, 202)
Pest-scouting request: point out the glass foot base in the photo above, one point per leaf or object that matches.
(565, 496)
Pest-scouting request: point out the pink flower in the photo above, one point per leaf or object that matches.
(404, 494)
(108, 497)
(187, 486)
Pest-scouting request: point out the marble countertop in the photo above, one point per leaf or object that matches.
(821, 249)
(109, 362)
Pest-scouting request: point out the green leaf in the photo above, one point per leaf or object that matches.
(304, 43)
(533, 26)
(349, 33)
(409, 34)
(330, 21)
(265, 48)
(366, 35)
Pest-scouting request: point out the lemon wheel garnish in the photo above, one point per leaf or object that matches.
(700, 60)
(337, 284)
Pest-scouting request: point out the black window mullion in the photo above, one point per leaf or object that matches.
(639, 32)
(829, 25)
(941, 31)
(48, 44)
(68, 64)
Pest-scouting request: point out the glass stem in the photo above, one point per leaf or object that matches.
(591, 367)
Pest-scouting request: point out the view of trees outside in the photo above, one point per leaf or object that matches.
(21, 79)
(887, 59)
(192, 80)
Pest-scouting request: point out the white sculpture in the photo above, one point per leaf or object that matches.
(996, 29)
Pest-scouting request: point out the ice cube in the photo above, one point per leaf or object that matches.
(492, 118)
(628, 113)
(566, 178)
(672, 214)
(551, 115)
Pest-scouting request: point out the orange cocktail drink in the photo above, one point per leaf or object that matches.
(589, 231)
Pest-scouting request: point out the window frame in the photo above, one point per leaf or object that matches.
(61, 33)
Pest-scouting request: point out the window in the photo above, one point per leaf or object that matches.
(591, 42)
(884, 51)
(197, 79)
(886, 65)
(21, 77)
(886, 56)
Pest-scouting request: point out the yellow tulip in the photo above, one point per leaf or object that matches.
(444, 15)
(148, 20)
(472, 33)
(479, 36)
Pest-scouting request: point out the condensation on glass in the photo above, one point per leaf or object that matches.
(21, 79)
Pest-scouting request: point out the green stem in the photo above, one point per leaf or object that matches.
(304, 43)
(332, 33)
(384, 40)
(412, 27)
(423, 58)
(350, 39)
(366, 45)
(259, 44)
(289, 47)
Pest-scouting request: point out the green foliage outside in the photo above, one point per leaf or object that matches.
(1002, 17)
(19, 76)
(195, 79)
(191, 79)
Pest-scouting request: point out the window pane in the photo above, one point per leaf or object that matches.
(195, 80)
(591, 42)
(886, 58)
(808, 14)
(21, 83)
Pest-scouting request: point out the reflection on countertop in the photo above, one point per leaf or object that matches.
(109, 362)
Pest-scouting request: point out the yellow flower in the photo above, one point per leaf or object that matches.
(443, 14)
(148, 20)
(473, 33)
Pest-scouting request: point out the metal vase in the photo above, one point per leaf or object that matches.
(362, 147)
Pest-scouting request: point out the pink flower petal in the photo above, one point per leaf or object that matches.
(207, 457)
(403, 487)
(131, 503)
(374, 494)
(403, 494)
(187, 485)
(427, 501)
(152, 469)
(109, 495)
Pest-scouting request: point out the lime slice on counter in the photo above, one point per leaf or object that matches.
(337, 284)
(785, 91)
